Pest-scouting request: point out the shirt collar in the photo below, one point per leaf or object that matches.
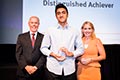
(60, 27)
(31, 33)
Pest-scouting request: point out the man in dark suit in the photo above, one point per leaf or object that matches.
(30, 60)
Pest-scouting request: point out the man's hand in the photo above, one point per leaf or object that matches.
(58, 57)
(30, 69)
(67, 53)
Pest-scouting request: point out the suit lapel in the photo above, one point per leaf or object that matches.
(28, 40)
(38, 39)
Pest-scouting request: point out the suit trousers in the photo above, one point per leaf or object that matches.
(51, 76)
(38, 75)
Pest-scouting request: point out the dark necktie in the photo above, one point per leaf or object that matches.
(33, 40)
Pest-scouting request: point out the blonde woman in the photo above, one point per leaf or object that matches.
(88, 67)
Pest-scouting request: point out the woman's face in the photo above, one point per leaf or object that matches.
(87, 30)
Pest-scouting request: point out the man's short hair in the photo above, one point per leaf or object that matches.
(60, 5)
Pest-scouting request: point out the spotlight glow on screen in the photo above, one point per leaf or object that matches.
(104, 14)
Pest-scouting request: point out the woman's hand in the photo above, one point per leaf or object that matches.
(86, 61)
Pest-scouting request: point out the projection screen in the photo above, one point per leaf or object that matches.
(104, 14)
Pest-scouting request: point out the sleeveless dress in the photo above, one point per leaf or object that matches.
(92, 70)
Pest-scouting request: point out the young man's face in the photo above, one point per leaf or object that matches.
(61, 15)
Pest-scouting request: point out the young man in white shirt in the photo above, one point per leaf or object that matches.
(59, 46)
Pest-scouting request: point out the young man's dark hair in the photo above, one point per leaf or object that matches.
(60, 5)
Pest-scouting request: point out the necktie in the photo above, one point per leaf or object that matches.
(33, 40)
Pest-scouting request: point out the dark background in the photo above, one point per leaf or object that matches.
(11, 26)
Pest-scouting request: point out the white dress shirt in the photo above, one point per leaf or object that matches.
(57, 37)
(34, 35)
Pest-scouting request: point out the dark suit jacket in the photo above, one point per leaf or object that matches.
(26, 55)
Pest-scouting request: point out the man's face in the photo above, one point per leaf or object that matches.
(33, 24)
(61, 15)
